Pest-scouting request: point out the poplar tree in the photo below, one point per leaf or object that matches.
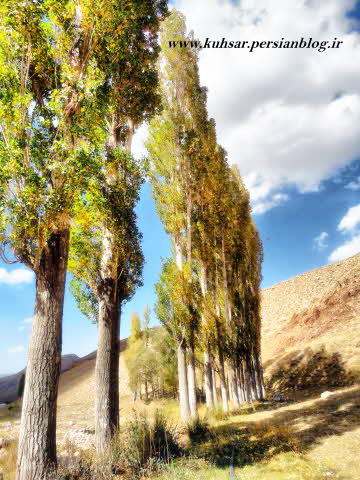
(175, 149)
(48, 149)
(128, 59)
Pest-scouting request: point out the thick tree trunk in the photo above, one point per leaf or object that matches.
(37, 439)
(107, 388)
(115, 407)
(183, 384)
(106, 369)
(192, 381)
(208, 380)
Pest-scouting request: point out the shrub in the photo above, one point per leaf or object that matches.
(143, 447)
(198, 430)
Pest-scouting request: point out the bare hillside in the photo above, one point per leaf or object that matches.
(311, 327)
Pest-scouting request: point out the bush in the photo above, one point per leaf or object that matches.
(198, 430)
(143, 447)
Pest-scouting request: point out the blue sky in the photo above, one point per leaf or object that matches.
(289, 119)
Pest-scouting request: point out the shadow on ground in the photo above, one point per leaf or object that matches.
(296, 427)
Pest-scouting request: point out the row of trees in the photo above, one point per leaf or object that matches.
(77, 78)
(150, 358)
(208, 294)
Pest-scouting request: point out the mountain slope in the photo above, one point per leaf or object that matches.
(311, 327)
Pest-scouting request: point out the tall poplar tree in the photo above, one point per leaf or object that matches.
(48, 106)
(175, 147)
(128, 60)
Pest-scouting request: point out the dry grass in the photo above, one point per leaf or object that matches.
(310, 343)
(8, 461)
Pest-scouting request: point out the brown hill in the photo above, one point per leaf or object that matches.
(311, 327)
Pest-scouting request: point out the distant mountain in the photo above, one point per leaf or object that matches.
(10, 384)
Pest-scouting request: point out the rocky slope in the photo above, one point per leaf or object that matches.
(311, 327)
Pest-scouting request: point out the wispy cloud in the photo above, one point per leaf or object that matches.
(25, 324)
(16, 277)
(274, 201)
(349, 226)
(17, 349)
(354, 185)
(351, 220)
(348, 249)
(320, 242)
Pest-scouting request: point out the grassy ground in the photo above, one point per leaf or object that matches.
(310, 439)
(305, 439)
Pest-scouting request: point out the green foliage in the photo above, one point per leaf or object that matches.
(177, 299)
(50, 110)
(150, 357)
(108, 206)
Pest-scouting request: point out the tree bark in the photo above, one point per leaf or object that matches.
(235, 390)
(183, 384)
(37, 439)
(115, 411)
(223, 386)
(106, 369)
(214, 390)
(192, 381)
(208, 380)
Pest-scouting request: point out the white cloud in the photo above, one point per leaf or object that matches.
(320, 242)
(28, 320)
(264, 206)
(350, 221)
(348, 226)
(17, 349)
(354, 185)
(349, 248)
(15, 277)
(286, 117)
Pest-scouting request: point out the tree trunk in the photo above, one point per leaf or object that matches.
(192, 381)
(115, 407)
(214, 390)
(107, 386)
(241, 391)
(236, 400)
(260, 379)
(208, 380)
(106, 369)
(224, 391)
(183, 384)
(146, 392)
(223, 386)
(37, 439)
